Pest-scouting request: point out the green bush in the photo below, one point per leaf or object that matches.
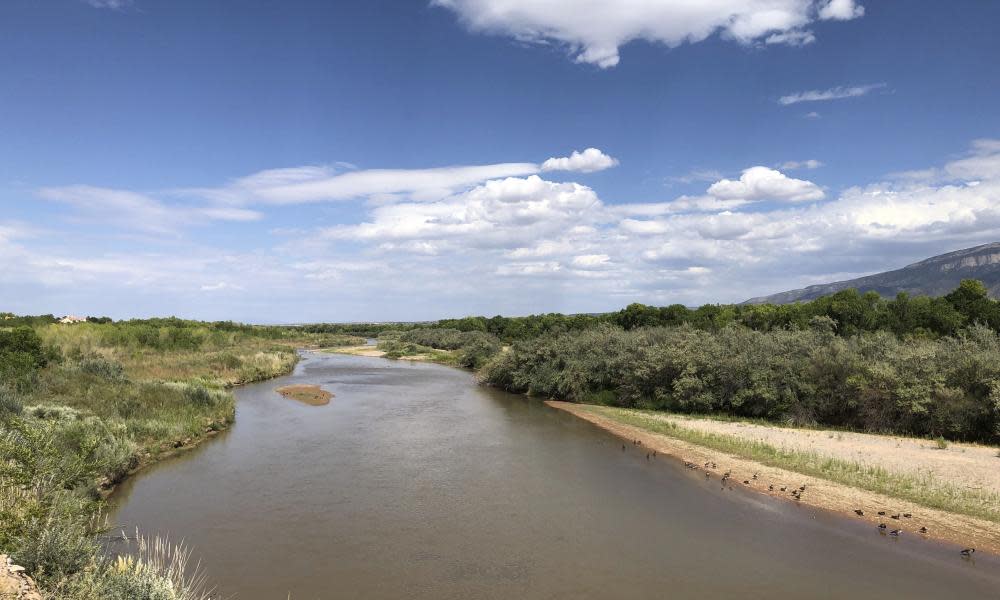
(872, 381)
(10, 402)
(104, 368)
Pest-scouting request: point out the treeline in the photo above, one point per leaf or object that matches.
(474, 347)
(850, 311)
(911, 365)
(873, 381)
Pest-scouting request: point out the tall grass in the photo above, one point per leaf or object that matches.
(924, 490)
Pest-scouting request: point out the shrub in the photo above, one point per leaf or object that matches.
(104, 368)
(10, 402)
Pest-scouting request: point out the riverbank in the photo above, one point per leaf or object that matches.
(418, 354)
(821, 464)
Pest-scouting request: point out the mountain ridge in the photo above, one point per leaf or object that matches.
(934, 276)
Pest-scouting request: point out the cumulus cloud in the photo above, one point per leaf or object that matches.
(762, 183)
(540, 239)
(841, 10)
(588, 161)
(836, 93)
(505, 213)
(593, 31)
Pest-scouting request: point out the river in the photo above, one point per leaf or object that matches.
(414, 482)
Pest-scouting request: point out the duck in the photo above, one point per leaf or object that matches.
(881, 513)
(647, 456)
(746, 482)
(755, 476)
(968, 552)
(896, 532)
(923, 530)
(859, 512)
(623, 447)
(784, 487)
(882, 526)
(770, 488)
(802, 488)
(907, 515)
(894, 517)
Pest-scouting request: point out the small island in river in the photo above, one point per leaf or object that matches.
(312, 395)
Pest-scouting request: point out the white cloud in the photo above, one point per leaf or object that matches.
(812, 115)
(835, 93)
(112, 4)
(588, 161)
(841, 10)
(762, 183)
(221, 286)
(543, 241)
(298, 185)
(594, 30)
(801, 164)
(505, 213)
(591, 261)
(125, 208)
(795, 37)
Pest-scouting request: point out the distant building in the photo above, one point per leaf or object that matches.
(69, 319)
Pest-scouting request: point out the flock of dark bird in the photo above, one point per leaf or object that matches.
(797, 494)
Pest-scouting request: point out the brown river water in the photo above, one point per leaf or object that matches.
(414, 482)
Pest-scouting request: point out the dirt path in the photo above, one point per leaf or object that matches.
(958, 529)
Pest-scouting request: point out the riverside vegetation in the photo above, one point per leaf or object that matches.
(83, 405)
(915, 366)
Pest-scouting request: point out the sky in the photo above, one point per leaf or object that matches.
(374, 160)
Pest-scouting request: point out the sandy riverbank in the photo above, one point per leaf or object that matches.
(971, 467)
(374, 352)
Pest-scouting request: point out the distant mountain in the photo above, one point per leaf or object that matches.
(935, 276)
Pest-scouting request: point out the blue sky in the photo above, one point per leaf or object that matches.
(375, 160)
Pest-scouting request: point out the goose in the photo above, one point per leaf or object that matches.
(784, 487)
(894, 517)
(770, 488)
(896, 532)
(882, 526)
(923, 530)
(859, 512)
(802, 488)
(746, 482)
(881, 513)
(755, 476)
(907, 515)
(967, 552)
